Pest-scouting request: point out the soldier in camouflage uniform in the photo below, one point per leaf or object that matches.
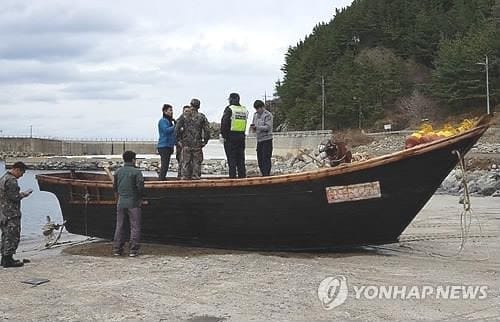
(10, 213)
(193, 132)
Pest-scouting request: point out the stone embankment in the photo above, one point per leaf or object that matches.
(479, 182)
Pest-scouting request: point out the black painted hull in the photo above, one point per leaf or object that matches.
(277, 213)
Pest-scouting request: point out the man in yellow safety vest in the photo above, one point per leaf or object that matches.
(233, 126)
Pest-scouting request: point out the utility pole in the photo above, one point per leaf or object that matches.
(322, 102)
(31, 131)
(487, 84)
(487, 87)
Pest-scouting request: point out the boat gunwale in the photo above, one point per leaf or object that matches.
(284, 178)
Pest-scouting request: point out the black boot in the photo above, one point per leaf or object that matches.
(10, 262)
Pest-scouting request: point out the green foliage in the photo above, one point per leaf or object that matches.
(458, 78)
(365, 51)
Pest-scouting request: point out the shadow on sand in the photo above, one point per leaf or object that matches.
(104, 249)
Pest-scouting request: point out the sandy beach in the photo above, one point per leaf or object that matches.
(171, 283)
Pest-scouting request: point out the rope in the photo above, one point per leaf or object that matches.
(466, 214)
(465, 217)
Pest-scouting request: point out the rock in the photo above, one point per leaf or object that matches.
(450, 186)
(473, 187)
(253, 172)
(457, 174)
(488, 191)
(474, 175)
(301, 164)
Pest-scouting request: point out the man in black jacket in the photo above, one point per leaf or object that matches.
(233, 126)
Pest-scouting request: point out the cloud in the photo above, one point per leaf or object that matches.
(98, 91)
(55, 30)
(45, 97)
(119, 62)
(34, 72)
(58, 17)
(42, 47)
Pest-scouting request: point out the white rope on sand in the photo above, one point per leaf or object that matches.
(465, 222)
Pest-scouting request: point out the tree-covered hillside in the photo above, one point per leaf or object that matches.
(392, 61)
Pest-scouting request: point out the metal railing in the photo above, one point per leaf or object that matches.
(148, 140)
(303, 133)
(77, 140)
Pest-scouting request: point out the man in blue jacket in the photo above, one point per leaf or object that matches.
(166, 141)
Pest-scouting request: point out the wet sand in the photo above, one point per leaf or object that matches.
(195, 284)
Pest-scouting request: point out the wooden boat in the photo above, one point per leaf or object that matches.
(369, 202)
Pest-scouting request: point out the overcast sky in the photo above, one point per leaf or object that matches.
(104, 68)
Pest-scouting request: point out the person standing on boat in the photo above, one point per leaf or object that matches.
(193, 130)
(178, 147)
(10, 213)
(233, 126)
(166, 141)
(129, 184)
(262, 125)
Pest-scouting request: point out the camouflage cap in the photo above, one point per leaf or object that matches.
(195, 103)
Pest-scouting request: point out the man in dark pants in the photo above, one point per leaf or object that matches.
(262, 125)
(10, 213)
(129, 184)
(233, 126)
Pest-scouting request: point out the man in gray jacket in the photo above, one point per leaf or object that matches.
(129, 184)
(262, 125)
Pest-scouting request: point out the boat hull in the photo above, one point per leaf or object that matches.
(296, 212)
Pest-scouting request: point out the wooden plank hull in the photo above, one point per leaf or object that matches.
(290, 212)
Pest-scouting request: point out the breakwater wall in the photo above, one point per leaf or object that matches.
(290, 142)
(283, 142)
(73, 147)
